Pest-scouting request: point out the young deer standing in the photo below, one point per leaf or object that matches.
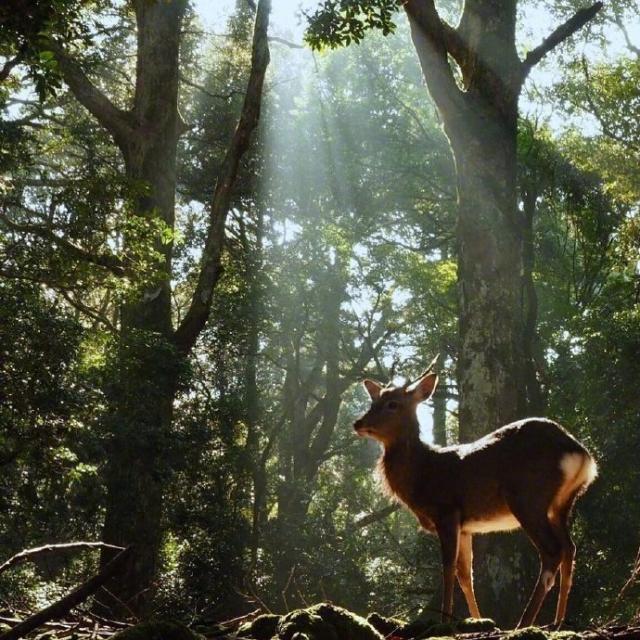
(527, 474)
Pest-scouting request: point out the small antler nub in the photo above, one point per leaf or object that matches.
(429, 369)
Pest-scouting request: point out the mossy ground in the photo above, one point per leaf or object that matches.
(328, 622)
(320, 622)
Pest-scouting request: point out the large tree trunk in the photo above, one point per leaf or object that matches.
(480, 120)
(490, 362)
(141, 399)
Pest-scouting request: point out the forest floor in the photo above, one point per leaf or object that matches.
(321, 622)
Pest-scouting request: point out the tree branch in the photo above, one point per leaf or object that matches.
(94, 314)
(435, 40)
(564, 31)
(116, 121)
(285, 42)
(217, 96)
(376, 516)
(106, 260)
(210, 266)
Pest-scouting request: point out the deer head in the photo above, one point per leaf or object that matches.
(392, 415)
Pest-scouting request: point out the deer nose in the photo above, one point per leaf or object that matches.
(357, 424)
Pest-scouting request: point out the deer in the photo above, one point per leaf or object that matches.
(525, 475)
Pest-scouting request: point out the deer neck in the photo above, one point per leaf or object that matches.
(398, 464)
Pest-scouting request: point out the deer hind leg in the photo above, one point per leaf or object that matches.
(537, 526)
(448, 529)
(560, 520)
(465, 573)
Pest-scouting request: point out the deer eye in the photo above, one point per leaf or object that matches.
(393, 405)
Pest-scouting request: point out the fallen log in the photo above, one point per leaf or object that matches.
(62, 606)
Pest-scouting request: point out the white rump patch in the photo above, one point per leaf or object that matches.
(571, 463)
(578, 469)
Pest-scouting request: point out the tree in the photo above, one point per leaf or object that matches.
(149, 352)
(474, 76)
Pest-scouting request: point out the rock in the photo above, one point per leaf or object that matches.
(417, 628)
(211, 630)
(471, 625)
(262, 628)
(304, 625)
(385, 625)
(325, 622)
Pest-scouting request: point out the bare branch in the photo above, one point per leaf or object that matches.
(30, 554)
(199, 87)
(210, 267)
(285, 42)
(94, 314)
(564, 31)
(625, 32)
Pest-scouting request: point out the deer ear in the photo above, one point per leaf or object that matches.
(423, 388)
(373, 388)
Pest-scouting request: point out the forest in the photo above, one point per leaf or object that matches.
(217, 219)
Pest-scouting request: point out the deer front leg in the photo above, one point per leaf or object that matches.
(465, 573)
(448, 529)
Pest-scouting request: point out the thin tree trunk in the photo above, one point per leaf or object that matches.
(253, 265)
(440, 413)
(536, 403)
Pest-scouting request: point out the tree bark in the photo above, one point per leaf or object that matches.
(253, 260)
(489, 268)
(440, 415)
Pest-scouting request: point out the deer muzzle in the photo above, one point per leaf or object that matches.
(359, 427)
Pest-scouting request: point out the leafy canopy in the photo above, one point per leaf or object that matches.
(29, 26)
(338, 23)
